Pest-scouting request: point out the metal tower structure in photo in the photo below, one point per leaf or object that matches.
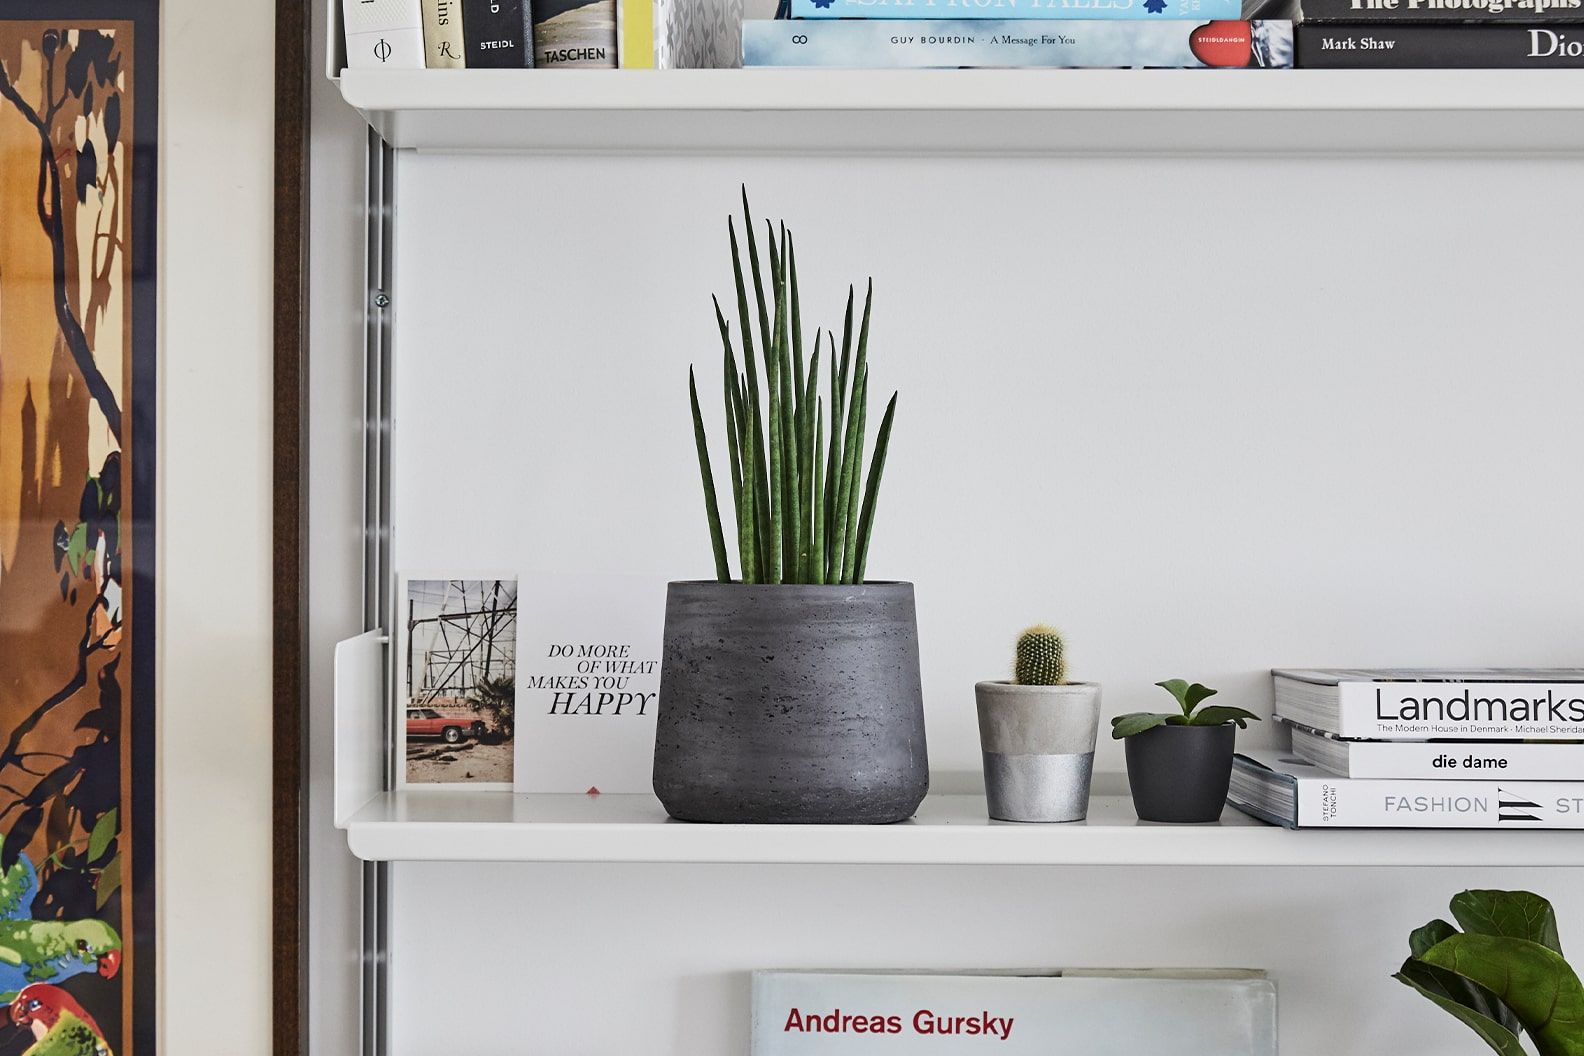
(459, 633)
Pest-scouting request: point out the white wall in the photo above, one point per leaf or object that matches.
(216, 146)
(1208, 415)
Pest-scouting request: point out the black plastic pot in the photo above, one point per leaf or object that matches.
(1180, 773)
(790, 704)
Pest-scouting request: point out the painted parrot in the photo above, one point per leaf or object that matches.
(37, 951)
(60, 1026)
(41, 951)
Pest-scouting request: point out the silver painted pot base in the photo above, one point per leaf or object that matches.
(1038, 788)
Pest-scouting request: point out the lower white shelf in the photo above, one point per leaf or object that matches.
(453, 825)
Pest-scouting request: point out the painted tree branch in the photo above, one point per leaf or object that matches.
(54, 228)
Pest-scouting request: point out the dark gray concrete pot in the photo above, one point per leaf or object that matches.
(790, 704)
(1180, 773)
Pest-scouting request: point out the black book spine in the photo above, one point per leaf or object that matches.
(1456, 11)
(497, 33)
(1435, 47)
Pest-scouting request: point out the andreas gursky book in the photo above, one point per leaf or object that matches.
(1182, 1012)
(588, 680)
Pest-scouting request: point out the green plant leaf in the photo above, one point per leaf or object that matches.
(1221, 714)
(1421, 939)
(1136, 722)
(1456, 988)
(1518, 914)
(1422, 978)
(104, 831)
(108, 880)
(1187, 696)
(1533, 981)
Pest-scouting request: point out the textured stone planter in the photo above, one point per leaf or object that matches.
(1038, 746)
(1180, 773)
(790, 704)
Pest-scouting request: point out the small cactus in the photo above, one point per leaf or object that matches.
(1041, 659)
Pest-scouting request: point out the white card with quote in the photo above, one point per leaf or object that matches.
(588, 681)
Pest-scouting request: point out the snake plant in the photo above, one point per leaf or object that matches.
(803, 512)
(1503, 975)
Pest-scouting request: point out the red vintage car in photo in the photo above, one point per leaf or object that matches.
(425, 723)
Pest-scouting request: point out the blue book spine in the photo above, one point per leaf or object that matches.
(1002, 10)
(867, 44)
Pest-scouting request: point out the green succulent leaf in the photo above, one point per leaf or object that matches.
(1427, 981)
(1517, 914)
(1532, 980)
(1137, 722)
(1221, 714)
(1188, 695)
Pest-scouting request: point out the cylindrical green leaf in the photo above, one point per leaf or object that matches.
(711, 510)
(872, 488)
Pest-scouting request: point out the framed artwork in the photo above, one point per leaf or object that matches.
(78, 107)
(456, 681)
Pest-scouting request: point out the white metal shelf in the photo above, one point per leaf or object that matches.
(975, 111)
(453, 825)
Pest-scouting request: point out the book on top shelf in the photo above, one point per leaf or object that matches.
(383, 34)
(1315, 11)
(1280, 788)
(498, 33)
(887, 44)
(1412, 704)
(1422, 46)
(1438, 760)
(443, 46)
(1003, 10)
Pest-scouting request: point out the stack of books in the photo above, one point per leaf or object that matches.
(1003, 34)
(456, 34)
(1449, 34)
(1477, 749)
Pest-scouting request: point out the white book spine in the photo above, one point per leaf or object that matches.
(1353, 803)
(442, 33)
(1468, 710)
(1443, 761)
(383, 34)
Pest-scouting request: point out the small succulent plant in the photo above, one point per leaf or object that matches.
(1041, 657)
(1189, 697)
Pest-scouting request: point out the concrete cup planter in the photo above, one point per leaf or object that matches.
(1180, 773)
(790, 704)
(1038, 744)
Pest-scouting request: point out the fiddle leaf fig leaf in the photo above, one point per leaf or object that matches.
(1427, 981)
(1221, 714)
(1532, 980)
(1516, 914)
(1421, 939)
(1136, 722)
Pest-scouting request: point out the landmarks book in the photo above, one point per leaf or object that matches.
(1317, 11)
(1178, 1011)
(1409, 704)
(1279, 787)
(498, 33)
(933, 44)
(1420, 46)
(1162, 10)
(383, 34)
(1438, 760)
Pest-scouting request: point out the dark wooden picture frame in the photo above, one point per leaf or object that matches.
(289, 972)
